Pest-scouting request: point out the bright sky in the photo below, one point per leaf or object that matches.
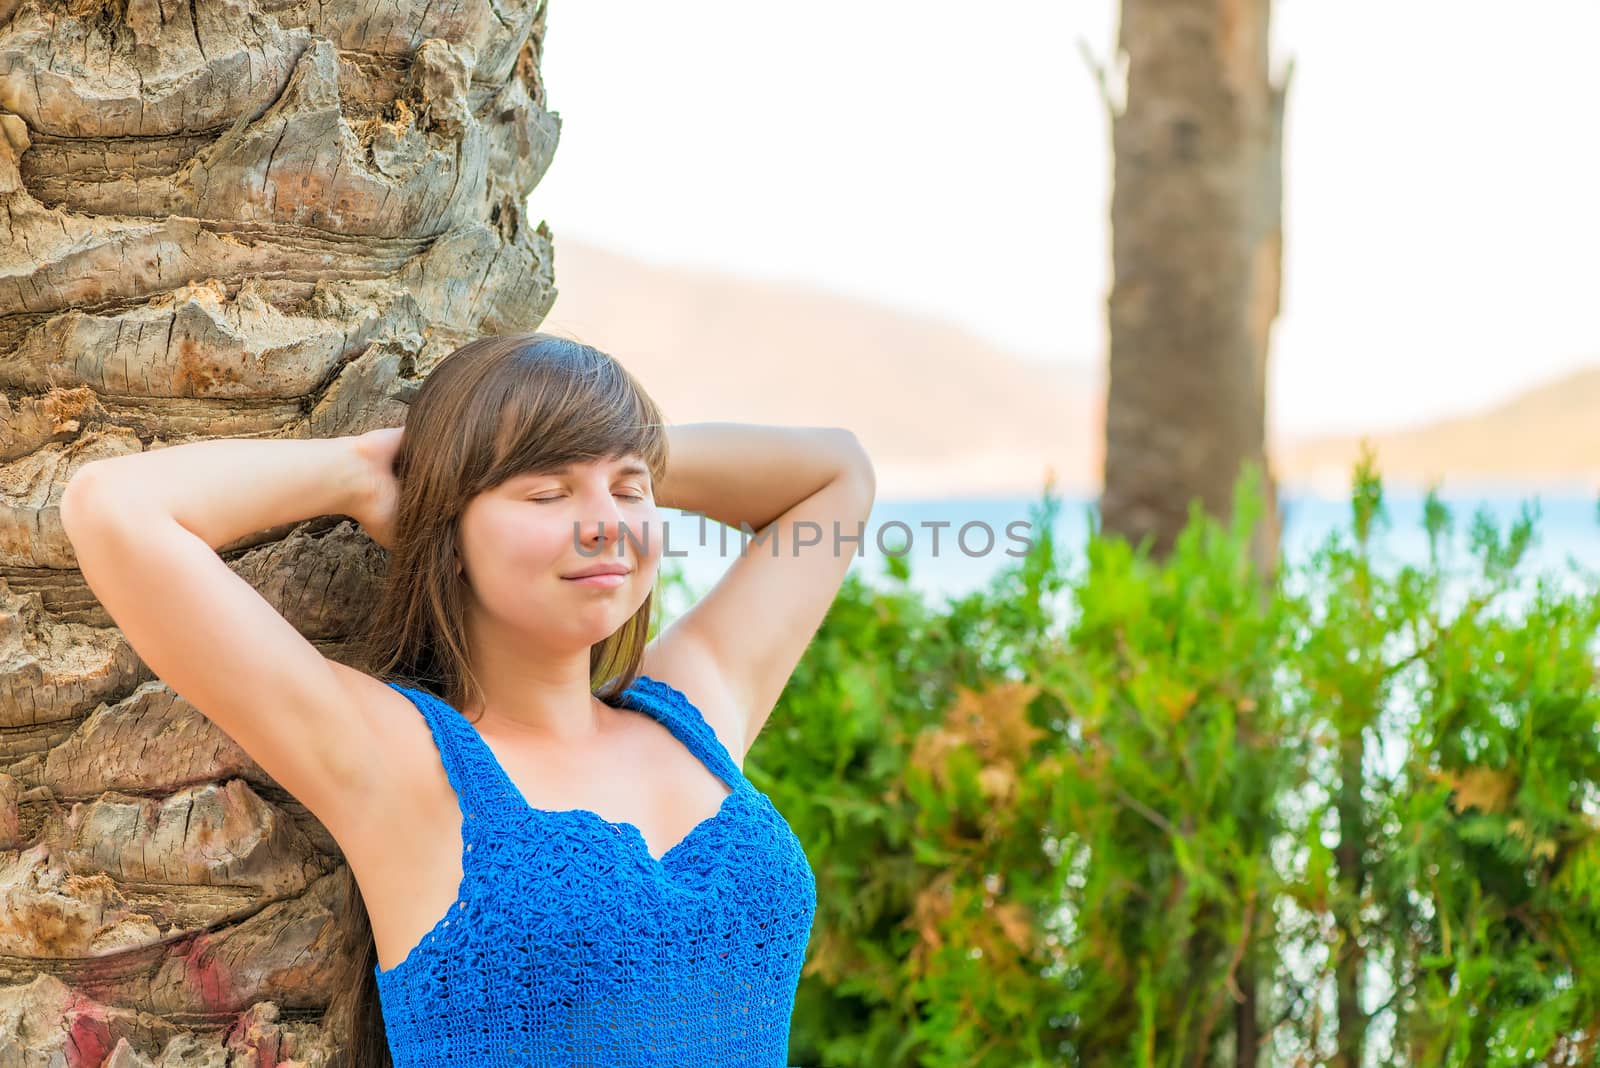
(1443, 175)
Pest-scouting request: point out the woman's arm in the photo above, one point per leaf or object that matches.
(734, 649)
(223, 489)
(144, 529)
(745, 473)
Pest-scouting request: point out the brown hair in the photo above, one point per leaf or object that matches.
(492, 409)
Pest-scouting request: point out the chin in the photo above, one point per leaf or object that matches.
(607, 617)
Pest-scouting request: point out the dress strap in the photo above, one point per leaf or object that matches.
(480, 787)
(486, 792)
(673, 707)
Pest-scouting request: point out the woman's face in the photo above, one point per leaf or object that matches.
(524, 539)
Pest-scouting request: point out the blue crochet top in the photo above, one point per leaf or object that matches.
(570, 944)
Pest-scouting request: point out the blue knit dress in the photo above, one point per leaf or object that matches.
(569, 944)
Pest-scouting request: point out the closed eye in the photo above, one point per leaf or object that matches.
(624, 496)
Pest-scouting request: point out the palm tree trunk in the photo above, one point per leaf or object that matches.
(222, 218)
(1196, 251)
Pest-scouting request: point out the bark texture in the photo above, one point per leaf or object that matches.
(1196, 219)
(221, 218)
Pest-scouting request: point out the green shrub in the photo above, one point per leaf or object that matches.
(1096, 819)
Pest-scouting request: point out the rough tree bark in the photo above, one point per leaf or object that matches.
(222, 218)
(1196, 220)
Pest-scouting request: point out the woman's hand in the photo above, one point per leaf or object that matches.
(375, 510)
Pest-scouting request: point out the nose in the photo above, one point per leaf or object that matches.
(600, 525)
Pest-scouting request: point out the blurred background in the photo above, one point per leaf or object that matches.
(896, 217)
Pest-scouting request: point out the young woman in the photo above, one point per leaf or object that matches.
(546, 815)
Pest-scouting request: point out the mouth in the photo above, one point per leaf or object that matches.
(600, 569)
(604, 576)
(601, 579)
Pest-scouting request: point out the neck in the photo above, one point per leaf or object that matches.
(522, 692)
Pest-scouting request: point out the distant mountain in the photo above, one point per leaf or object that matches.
(1548, 436)
(942, 412)
(945, 413)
